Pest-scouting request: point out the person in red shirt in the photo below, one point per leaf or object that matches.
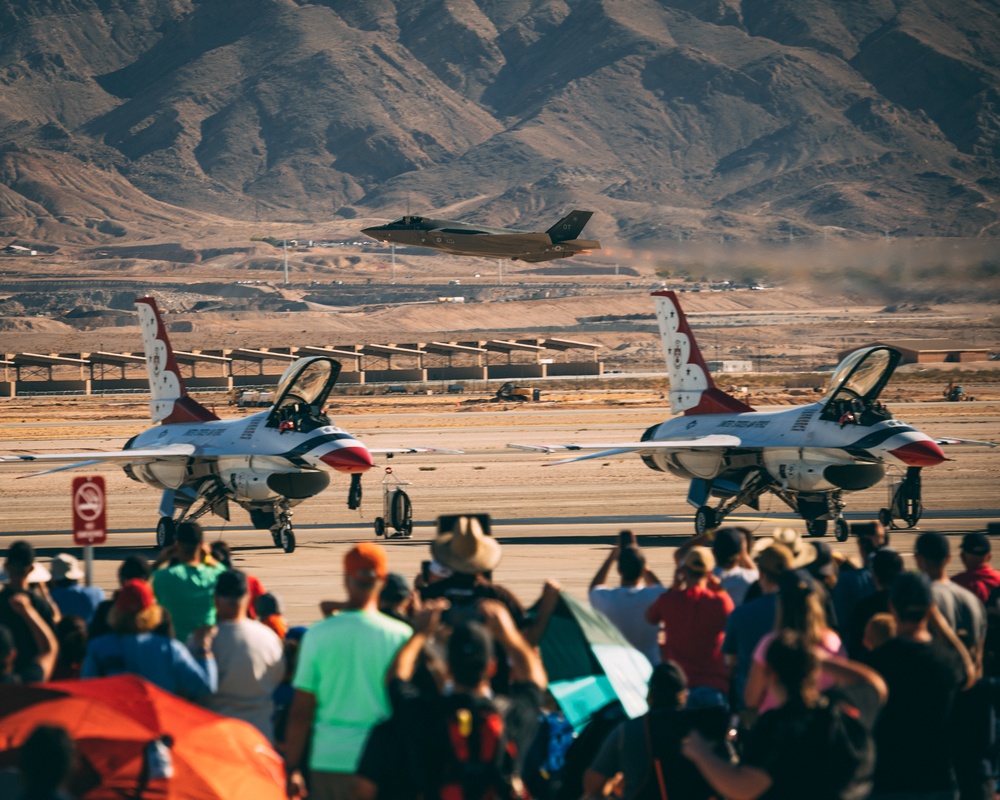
(692, 615)
(979, 577)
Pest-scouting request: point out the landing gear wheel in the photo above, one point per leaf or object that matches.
(379, 526)
(166, 530)
(354, 493)
(705, 519)
(401, 511)
(841, 530)
(276, 536)
(288, 539)
(816, 527)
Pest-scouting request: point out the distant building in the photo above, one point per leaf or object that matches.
(722, 367)
(930, 351)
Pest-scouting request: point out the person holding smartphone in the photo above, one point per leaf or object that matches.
(625, 605)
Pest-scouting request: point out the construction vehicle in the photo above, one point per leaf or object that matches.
(517, 394)
(955, 393)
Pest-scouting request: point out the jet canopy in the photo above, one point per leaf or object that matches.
(408, 220)
(859, 380)
(302, 392)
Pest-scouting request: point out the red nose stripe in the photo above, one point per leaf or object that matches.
(920, 454)
(348, 459)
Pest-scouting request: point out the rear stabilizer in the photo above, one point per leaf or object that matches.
(169, 401)
(570, 226)
(692, 390)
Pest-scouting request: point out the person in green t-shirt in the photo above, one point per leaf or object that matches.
(340, 691)
(187, 588)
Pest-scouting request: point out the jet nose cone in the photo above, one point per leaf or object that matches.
(370, 232)
(923, 453)
(348, 459)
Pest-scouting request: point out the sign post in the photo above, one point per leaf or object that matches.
(90, 525)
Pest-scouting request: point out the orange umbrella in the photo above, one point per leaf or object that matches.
(113, 723)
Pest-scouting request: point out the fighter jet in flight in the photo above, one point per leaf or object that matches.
(461, 239)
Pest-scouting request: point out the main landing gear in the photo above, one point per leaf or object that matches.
(281, 532)
(905, 503)
(817, 511)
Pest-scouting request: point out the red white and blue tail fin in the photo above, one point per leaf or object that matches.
(692, 390)
(169, 401)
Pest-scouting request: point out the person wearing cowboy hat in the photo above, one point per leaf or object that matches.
(471, 556)
(67, 593)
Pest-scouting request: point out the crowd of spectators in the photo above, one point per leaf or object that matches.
(778, 669)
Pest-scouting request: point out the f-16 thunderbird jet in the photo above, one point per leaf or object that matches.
(267, 462)
(461, 239)
(809, 456)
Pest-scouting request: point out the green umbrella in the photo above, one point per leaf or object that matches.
(590, 663)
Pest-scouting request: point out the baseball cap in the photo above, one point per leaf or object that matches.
(933, 546)
(910, 595)
(976, 544)
(134, 596)
(21, 554)
(823, 566)
(668, 679)
(232, 583)
(366, 561)
(727, 543)
(796, 582)
(775, 560)
(699, 560)
(396, 589)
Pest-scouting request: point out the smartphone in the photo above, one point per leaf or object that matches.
(450, 522)
(425, 571)
(626, 539)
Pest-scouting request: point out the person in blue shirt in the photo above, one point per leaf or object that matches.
(67, 593)
(133, 647)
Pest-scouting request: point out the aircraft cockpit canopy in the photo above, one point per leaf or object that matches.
(302, 392)
(408, 220)
(857, 383)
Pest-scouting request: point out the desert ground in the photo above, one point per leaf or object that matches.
(554, 522)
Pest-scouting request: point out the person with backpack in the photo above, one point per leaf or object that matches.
(646, 751)
(466, 744)
(813, 744)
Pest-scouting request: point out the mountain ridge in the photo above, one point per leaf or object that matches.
(699, 119)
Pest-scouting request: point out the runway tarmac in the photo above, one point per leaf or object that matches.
(553, 522)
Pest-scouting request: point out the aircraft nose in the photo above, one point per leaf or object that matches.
(348, 459)
(923, 453)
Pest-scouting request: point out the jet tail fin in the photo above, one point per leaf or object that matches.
(169, 401)
(692, 390)
(570, 226)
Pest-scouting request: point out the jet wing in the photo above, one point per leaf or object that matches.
(946, 440)
(74, 460)
(401, 450)
(713, 441)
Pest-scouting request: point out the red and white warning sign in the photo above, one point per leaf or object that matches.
(89, 510)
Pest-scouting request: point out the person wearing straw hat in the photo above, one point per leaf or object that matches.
(67, 593)
(471, 555)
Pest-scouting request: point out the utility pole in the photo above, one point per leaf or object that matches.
(284, 243)
(392, 249)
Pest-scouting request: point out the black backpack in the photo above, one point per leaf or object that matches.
(847, 768)
(670, 775)
(481, 761)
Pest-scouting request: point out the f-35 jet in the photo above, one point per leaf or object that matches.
(461, 239)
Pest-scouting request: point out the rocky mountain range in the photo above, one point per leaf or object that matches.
(672, 119)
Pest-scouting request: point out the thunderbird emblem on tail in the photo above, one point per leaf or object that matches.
(809, 456)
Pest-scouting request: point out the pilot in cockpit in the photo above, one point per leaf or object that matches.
(300, 417)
